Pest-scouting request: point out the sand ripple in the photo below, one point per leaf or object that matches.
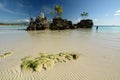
(74, 70)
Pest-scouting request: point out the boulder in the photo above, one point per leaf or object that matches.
(38, 24)
(85, 24)
(61, 24)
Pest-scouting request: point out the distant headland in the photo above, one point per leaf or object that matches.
(23, 23)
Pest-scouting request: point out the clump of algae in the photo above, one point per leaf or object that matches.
(45, 61)
(6, 54)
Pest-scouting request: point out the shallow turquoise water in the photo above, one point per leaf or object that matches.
(12, 27)
(101, 28)
(12, 36)
(111, 29)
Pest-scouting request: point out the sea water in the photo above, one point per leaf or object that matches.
(99, 51)
(16, 38)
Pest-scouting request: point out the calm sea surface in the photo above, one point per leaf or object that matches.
(13, 38)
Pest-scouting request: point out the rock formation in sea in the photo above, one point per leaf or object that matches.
(58, 23)
(85, 23)
(61, 24)
(40, 23)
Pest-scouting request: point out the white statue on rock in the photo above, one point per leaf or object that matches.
(42, 15)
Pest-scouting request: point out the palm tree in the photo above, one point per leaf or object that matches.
(58, 10)
(84, 15)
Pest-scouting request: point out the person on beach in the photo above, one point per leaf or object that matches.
(96, 28)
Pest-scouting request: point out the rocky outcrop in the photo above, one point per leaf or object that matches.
(40, 23)
(61, 24)
(85, 24)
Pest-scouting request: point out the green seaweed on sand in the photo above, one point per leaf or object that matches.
(1, 56)
(45, 61)
(43, 54)
(6, 54)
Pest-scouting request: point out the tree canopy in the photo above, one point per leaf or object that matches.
(58, 10)
(84, 15)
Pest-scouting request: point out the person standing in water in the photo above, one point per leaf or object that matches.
(96, 28)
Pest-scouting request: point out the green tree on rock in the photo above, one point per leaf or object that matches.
(84, 15)
(58, 10)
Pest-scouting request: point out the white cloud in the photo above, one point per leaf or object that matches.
(75, 20)
(117, 13)
(23, 20)
(95, 19)
(26, 20)
(78, 20)
(3, 8)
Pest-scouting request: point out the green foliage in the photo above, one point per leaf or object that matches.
(45, 61)
(84, 15)
(58, 10)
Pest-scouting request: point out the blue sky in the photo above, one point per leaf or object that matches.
(103, 12)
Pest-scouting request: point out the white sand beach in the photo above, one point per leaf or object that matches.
(99, 54)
